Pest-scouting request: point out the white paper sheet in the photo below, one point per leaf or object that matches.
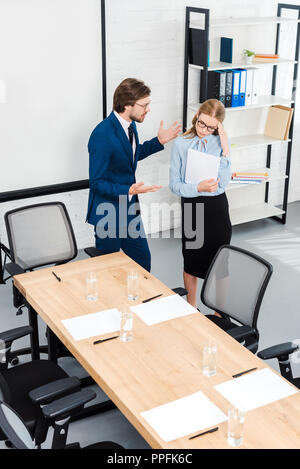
(255, 389)
(163, 309)
(184, 416)
(201, 166)
(90, 325)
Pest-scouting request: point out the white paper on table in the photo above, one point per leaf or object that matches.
(90, 325)
(184, 416)
(201, 166)
(163, 309)
(255, 389)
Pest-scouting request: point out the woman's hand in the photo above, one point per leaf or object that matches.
(208, 185)
(224, 139)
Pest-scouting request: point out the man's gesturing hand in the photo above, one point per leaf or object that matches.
(140, 188)
(166, 135)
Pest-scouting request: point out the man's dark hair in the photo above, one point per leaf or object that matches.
(128, 93)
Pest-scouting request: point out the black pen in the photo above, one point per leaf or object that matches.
(204, 433)
(104, 340)
(152, 298)
(243, 373)
(56, 276)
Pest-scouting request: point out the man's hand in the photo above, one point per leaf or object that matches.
(208, 185)
(140, 188)
(223, 139)
(166, 135)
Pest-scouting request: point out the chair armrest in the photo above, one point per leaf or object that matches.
(93, 252)
(6, 340)
(44, 394)
(278, 350)
(14, 269)
(241, 332)
(14, 334)
(65, 405)
(180, 291)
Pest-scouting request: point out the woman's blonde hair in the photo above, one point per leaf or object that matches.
(212, 108)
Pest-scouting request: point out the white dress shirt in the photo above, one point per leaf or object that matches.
(125, 124)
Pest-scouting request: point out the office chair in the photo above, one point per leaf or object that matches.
(16, 383)
(38, 235)
(41, 235)
(32, 389)
(234, 287)
(57, 413)
(282, 352)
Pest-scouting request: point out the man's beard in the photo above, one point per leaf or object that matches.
(137, 119)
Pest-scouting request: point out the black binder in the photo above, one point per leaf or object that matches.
(228, 89)
(198, 47)
(216, 85)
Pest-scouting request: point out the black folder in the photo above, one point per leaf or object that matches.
(228, 89)
(216, 86)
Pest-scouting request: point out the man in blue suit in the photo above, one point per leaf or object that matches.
(114, 151)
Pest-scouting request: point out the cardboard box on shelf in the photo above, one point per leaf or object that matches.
(278, 122)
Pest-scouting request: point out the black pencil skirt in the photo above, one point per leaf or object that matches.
(210, 223)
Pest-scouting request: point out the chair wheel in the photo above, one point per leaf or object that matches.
(14, 361)
(8, 444)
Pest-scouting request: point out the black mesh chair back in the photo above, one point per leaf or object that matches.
(14, 429)
(235, 284)
(40, 235)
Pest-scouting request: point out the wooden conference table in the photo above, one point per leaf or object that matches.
(163, 361)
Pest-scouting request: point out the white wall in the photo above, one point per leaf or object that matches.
(51, 62)
(145, 39)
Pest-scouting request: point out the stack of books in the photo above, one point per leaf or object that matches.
(248, 178)
(265, 58)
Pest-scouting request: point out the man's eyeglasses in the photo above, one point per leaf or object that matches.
(144, 106)
(208, 127)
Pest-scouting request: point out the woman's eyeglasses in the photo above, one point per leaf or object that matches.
(208, 127)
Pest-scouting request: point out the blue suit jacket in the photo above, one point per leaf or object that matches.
(112, 168)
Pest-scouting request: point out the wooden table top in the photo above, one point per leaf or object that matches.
(163, 362)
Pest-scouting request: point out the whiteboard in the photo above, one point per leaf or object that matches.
(51, 62)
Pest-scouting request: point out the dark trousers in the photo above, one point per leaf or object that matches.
(135, 248)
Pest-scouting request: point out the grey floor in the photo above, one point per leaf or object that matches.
(279, 319)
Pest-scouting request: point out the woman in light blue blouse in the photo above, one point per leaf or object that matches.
(202, 235)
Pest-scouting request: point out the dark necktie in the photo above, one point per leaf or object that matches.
(130, 133)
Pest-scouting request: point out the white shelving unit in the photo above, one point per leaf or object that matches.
(230, 22)
(254, 212)
(263, 101)
(253, 141)
(227, 66)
